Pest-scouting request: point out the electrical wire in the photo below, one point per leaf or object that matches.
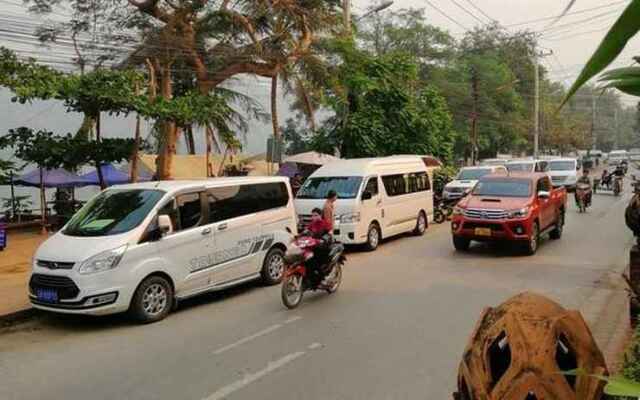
(468, 12)
(481, 11)
(446, 15)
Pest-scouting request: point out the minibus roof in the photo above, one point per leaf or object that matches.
(368, 166)
(181, 185)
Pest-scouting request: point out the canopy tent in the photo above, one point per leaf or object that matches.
(112, 176)
(311, 158)
(288, 169)
(52, 178)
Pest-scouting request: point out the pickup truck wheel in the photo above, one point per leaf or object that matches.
(556, 233)
(460, 243)
(532, 245)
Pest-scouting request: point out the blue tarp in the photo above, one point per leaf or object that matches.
(56, 178)
(112, 176)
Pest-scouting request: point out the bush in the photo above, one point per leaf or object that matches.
(441, 177)
(631, 366)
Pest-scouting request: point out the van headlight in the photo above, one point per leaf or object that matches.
(103, 261)
(350, 218)
(520, 213)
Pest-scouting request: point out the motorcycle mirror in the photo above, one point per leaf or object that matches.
(288, 229)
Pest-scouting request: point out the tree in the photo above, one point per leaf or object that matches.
(295, 139)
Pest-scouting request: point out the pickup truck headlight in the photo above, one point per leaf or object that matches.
(458, 210)
(520, 213)
(103, 261)
(350, 218)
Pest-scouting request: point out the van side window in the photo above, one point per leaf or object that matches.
(238, 200)
(400, 184)
(372, 186)
(189, 210)
(395, 185)
(418, 182)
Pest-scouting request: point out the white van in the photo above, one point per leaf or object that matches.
(141, 247)
(467, 179)
(377, 197)
(564, 172)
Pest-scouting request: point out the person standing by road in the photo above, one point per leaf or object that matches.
(328, 209)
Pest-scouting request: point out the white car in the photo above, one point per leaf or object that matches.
(144, 246)
(377, 197)
(564, 172)
(528, 166)
(467, 179)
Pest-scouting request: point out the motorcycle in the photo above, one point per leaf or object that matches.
(304, 271)
(582, 192)
(617, 185)
(443, 208)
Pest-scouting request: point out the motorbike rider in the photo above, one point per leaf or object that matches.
(605, 179)
(319, 228)
(584, 179)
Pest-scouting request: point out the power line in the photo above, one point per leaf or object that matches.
(583, 11)
(481, 11)
(468, 12)
(446, 15)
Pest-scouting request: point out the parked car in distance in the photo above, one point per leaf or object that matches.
(493, 161)
(142, 247)
(617, 156)
(634, 155)
(467, 179)
(527, 166)
(564, 172)
(377, 197)
(517, 208)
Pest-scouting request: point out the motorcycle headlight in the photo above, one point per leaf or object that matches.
(350, 218)
(103, 261)
(458, 210)
(520, 213)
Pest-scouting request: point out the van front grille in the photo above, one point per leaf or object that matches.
(65, 287)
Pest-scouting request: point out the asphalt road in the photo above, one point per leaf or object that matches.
(395, 329)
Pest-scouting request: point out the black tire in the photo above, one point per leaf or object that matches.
(272, 267)
(421, 224)
(152, 300)
(531, 247)
(460, 243)
(373, 237)
(438, 216)
(337, 280)
(556, 233)
(285, 292)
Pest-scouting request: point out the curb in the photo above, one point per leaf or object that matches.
(18, 317)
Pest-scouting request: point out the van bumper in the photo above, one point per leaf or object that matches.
(114, 308)
(349, 233)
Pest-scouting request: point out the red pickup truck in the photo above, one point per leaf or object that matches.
(517, 207)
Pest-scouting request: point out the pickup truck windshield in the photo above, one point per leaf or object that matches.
(112, 212)
(562, 166)
(473, 174)
(520, 167)
(503, 188)
(317, 188)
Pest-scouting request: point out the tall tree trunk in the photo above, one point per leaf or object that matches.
(136, 145)
(99, 162)
(188, 137)
(274, 115)
(86, 129)
(13, 195)
(208, 133)
(164, 162)
(43, 204)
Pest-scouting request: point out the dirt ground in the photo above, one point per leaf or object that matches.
(15, 264)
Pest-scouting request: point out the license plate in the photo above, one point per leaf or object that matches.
(483, 231)
(47, 295)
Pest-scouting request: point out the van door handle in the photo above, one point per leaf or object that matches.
(206, 231)
(222, 227)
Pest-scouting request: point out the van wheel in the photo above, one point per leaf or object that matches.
(373, 237)
(273, 267)
(421, 224)
(152, 300)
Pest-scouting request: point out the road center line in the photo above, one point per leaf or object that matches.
(248, 379)
(242, 341)
(292, 319)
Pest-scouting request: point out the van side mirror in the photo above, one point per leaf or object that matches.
(577, 167)
(543, 194)
(367, 196)
(164, 225)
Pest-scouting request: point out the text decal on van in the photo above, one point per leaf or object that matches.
(242, 249)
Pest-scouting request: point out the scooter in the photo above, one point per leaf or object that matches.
(582, 192)
(617, 185)
(303, 272)
(443, 208)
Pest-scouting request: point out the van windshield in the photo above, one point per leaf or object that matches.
(346, 187)
(520, 167)
(562, 166)
(112, 212)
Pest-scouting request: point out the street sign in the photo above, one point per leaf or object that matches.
(274, 150)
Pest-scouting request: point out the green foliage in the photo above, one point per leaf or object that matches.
(616, 385)
(6, 169)
(27, 79)
(626, 27)
(296, 140)
(442, 176)
(19, 204)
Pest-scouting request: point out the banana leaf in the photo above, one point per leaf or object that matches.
(621, 73)
(616, 385)
(627, 25)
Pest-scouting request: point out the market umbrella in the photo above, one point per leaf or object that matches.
(52, 178)
(111, 176)
(288, 169)
(311, 157)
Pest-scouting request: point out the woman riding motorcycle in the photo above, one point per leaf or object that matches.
(584, 179)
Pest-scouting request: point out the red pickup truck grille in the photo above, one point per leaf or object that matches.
(479, 213)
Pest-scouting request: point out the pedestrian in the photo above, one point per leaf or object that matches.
(296, 183)
(328, 208)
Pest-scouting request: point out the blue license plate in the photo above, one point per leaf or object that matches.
(47, 295)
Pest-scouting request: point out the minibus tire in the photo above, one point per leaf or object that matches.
(152, 285)
(418, 231)
(264, 273)
(372, 245)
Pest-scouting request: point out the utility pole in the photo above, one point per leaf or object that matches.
(536, 105)
(594, 103)
(346, 16)
(474, 116)
(616, 137)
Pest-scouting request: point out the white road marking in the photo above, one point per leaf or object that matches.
(256, 335)
(242, 341)
(248, 379)
(314, 346)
